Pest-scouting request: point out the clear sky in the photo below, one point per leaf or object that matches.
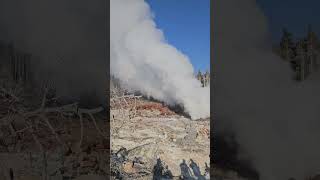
(295, 15)
(186, 25)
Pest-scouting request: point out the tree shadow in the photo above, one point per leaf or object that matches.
(196, 170)
(185, 171)
(191, 172)
(161, 172)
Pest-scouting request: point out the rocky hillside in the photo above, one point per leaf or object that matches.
(150, 140)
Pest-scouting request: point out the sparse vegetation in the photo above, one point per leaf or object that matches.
(41, 136)
(150, 140)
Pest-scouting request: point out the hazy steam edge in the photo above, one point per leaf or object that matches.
(274, 119)
(66, 40)
(144, 61)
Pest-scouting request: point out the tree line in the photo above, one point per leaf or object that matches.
(302, 54)
(204, 78)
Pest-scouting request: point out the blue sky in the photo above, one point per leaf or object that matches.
(186, 25)
(295, 15)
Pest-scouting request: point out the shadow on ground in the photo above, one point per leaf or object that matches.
(191, 172)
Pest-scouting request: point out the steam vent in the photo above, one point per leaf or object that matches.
(159, 102)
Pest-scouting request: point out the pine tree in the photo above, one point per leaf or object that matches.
(311, 47)
(312, 37)
(207, 78)
(300, 59)
(199, 75)
(286, 45)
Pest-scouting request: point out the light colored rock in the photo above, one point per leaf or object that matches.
(168, 138)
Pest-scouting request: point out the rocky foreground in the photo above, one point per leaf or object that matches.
(40, 139)
(158, 143)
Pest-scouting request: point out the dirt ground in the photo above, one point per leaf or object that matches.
(42, 139)
(166, 144)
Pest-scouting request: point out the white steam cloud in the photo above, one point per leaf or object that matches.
(275, 120)
(144, 61)
(67, 41)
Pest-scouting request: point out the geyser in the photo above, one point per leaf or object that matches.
(67, 41)
(274, 119)
(143, 60)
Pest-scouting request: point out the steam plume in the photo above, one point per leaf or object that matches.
(275, 119)
(67, 41)
(143, 60)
